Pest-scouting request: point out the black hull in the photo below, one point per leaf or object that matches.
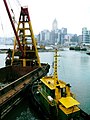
(88, 53)
(37, 105)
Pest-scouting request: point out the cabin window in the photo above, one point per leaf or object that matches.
(63, 92)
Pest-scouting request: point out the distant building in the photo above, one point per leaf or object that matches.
(80, 39)
(74, 38)
(67, 39)
(85, 36)
(52, 37)
(47, 35)
(42, 36)
(59, 37)
(54, 25)
(55, 36)
(63, 33)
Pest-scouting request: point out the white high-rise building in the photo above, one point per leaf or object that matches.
(44, 35)
(85, 36)
(54, 25)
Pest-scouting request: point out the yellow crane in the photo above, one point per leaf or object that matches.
(24, 43)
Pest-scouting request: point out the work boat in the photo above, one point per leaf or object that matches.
(23, 64)
(54, 98)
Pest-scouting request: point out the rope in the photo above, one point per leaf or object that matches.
(13, 17)
(3, 30)
(1, 24)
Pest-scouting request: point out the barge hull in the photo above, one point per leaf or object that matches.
(12, 93)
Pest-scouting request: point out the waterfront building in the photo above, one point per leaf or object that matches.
(44, 37)
(59, 37)
(63, 33)
(85, 36)
(52, 37)
(47, 35)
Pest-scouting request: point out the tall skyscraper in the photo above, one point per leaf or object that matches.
(54, 25)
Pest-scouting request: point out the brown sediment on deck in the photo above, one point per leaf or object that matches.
(16, 89)
(11, 73)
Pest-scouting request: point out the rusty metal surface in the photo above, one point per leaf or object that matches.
(11, 73)
(14, 91)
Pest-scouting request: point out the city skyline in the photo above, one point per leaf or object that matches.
(62, 37)
(73, 15)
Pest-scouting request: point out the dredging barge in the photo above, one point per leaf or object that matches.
(52, 96)
(22, 64)
(55, 100)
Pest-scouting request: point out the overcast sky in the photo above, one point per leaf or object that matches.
(71, 14)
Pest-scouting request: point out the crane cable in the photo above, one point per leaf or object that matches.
(1, 24)
(13, 17)
(3, 30)
(18, 2)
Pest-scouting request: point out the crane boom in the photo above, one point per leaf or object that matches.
(13, 27)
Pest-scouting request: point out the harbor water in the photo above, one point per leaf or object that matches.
(73, 68)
